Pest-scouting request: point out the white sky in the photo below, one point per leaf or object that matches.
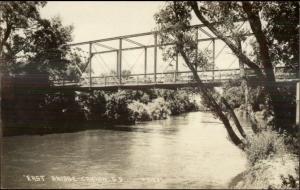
(102, 19)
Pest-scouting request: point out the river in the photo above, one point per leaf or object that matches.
(186, 151)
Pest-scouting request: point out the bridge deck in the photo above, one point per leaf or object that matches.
(171, 80)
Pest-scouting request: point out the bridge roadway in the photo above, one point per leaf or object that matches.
(168, 80)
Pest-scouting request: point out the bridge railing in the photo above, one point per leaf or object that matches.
(166, 77)
(63, 81)
(169, 77)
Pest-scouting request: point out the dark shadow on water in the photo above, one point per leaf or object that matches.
(42, 129)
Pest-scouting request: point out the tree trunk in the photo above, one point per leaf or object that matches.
(211, 103)
(267, 77)
(233, 116)
(5, 37)
(269, 82)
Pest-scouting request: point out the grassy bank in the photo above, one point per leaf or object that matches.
(273, 162)
(272, 152)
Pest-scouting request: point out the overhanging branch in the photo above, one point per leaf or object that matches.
(229, 43)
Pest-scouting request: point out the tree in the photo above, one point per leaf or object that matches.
(269, 40)
(33, 45)
(221, 18)
(174, 27)
(15, 16)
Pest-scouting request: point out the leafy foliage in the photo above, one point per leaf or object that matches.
(159, 109)
(283, 31)
(265, 145)
(140, 111)
(291, 181)
(93, 104)
(117, 108)
(173, 24)
(32, 45)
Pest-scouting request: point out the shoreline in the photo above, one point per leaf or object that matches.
(266, 174)
(56, 127)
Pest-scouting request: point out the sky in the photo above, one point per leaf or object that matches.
(99, 19)
(94, 20)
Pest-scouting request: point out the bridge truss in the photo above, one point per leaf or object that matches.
(157, 77)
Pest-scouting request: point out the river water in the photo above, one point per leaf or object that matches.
(186, 151)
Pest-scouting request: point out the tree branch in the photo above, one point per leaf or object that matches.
(230, 44)
(212, 103)
(6, 35)
(255, 24)
(234, 118)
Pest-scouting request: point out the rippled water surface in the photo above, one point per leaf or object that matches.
(187, 151)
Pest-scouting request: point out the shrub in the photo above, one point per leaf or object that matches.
(93, 104)
(117, 110)
(159, 109)
(145, 98)
(235, 96)
(179, 101)
(176, 107)
(264, 145)
(234, 93)
(61, 107)
(140, 111)
(290, 181)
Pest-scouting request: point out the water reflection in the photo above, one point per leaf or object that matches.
(187, 151)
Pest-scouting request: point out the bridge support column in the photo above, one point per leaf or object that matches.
(298, 106)
(155, 55)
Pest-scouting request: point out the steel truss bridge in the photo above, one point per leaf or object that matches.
(158, 78)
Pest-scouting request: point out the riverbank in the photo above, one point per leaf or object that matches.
(57, 128)
(269, 174)
(69, 112)
(273, 158)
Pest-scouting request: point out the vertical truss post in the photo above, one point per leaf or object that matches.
(117, 65)
(120, 62)
(214, 59)
(176, 68)
(90, 63)
(299, 69)
(298, 105)
(155, 55)
(145, 63)
(196, 63)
